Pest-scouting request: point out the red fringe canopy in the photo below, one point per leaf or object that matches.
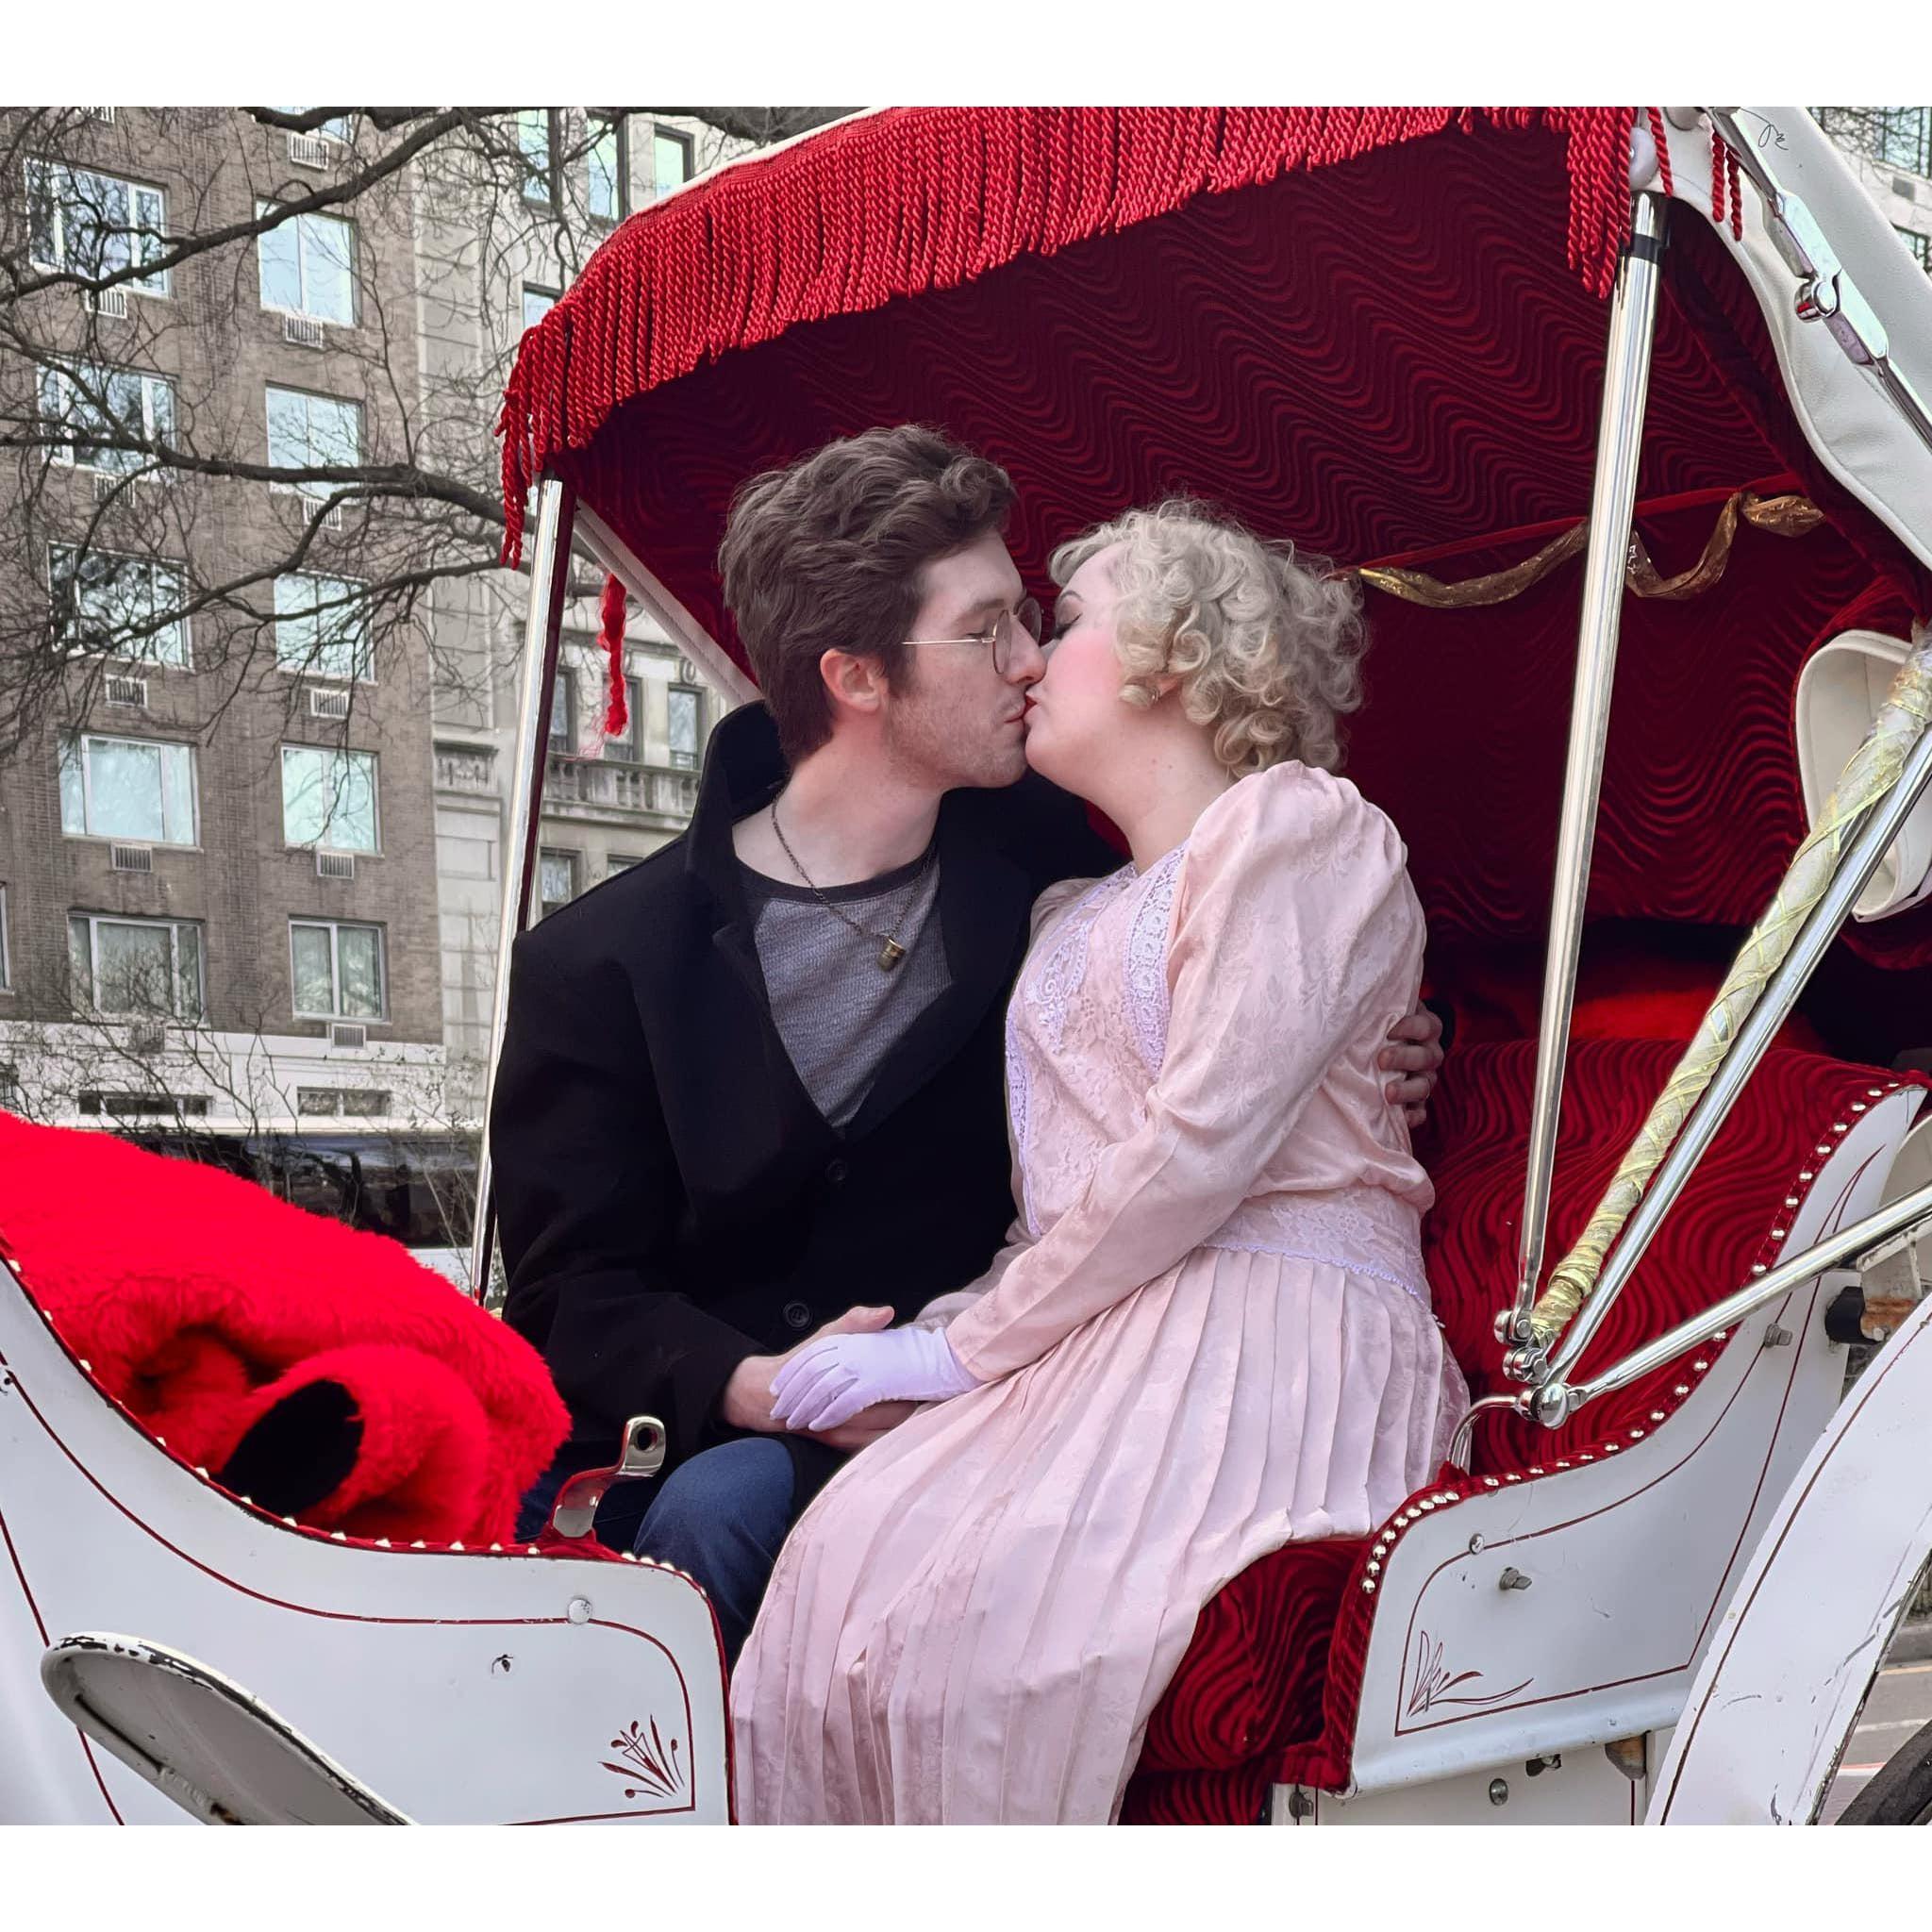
(911, 199)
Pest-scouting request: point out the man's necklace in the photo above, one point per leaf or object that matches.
(891, 951)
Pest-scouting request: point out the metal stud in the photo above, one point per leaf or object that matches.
(202, 1473)
(1427, 1503)
(382, 1542)
(1840, 1126)
(1489, 1482)
(1512, 1477)
(1875, 1091)
(87, 1367)
(1700, 1366)
(292, 1523)
(1584, 1455)
(1681, 1389)
(247, 1501)
(1758, 1267)
(1611, 1448)
(1656, 1415)
(1368, 1586)
(1777, 1234)
(1637, 1434)
(160, 1441)
(1536, 1469)
(1562, 1465)
(419, 1546)
(336, 1536)
(1721, 1335)
(1857, 1107)
(1374, 1568)
(1791, 1200)
(531, 1550)
(1807, 1174)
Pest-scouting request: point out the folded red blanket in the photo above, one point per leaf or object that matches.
(317, 1370)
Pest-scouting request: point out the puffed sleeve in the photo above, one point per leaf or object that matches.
(1295, 933)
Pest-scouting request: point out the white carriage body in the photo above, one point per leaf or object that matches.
(468, 1687)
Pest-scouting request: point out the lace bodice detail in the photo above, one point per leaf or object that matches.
(1088, 1028)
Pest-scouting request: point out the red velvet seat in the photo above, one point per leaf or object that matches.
(1256, 1700)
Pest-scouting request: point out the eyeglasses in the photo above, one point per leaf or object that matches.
(1002, 636)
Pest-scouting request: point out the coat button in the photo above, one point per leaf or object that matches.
(797, 1314)
(837, 1172)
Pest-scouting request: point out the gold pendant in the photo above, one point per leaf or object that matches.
(890, 955)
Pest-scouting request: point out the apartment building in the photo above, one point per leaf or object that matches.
(217, 873)
(251, 864)
(608, 802)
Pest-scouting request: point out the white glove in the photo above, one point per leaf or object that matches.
(828, 1382)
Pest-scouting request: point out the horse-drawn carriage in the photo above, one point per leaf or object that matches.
(1668, 363)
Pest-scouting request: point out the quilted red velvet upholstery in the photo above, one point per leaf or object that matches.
(1267, 1688)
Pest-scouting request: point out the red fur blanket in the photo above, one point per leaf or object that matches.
(321, 1372)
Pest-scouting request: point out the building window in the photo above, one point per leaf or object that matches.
(337, 128)
(563, 715)
(538, 303)
(1918, 245)
(535, 126)
(151, 967)
(93, 1101)
(609, 165)
(328, 798)
(6, 959)
(308, 266)
(95, 225)
(322, 626)
(615, 862)
(557, 881)
(128, 788)
(104, 602)
(367, 1102)
(670, 159)
(337, 971)
(687, 713)
(97, 408)
(630, 748)
(307, 432)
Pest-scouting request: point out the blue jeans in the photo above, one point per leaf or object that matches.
(722, 1516)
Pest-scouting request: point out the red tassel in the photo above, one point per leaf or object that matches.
(610, 635)
(1663, 148)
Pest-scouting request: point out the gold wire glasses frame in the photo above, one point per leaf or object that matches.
(1025, 615)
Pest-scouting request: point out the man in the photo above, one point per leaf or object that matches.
(753, 1089)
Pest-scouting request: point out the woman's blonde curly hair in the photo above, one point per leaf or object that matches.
(1267, 646)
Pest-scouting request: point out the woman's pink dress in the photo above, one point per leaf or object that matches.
(1209, 1335)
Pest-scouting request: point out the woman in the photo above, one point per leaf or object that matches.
(1209, 1331)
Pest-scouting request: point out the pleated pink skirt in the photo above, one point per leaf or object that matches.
(974, 1621)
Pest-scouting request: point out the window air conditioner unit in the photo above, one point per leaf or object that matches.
(308, 150)
(329, 704)
(106, 484)
(131, 857)
(335, 865)
(127, 691)
(108, 302)
(147, 1036)
(106, 114)
(303, 330)
(332, 517)
(342, 1034)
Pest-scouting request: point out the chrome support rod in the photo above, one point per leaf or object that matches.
(1613, 498)
(549, 579)
(1557, 1400)
(1874, 837)
(1826, 292)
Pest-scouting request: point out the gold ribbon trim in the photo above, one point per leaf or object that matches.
(1869, 775)
(1783, 516)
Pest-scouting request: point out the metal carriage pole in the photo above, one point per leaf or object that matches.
(549, 582)
(1613, 499)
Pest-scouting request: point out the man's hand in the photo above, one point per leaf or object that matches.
(746, 1402)
(1414, 1051)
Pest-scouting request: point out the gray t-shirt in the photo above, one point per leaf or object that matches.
(837, 1012)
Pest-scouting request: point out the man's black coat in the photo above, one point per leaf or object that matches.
(668, 1199)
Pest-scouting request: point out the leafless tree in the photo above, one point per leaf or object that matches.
(144, 491)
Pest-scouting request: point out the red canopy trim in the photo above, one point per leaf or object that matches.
(912, 199)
